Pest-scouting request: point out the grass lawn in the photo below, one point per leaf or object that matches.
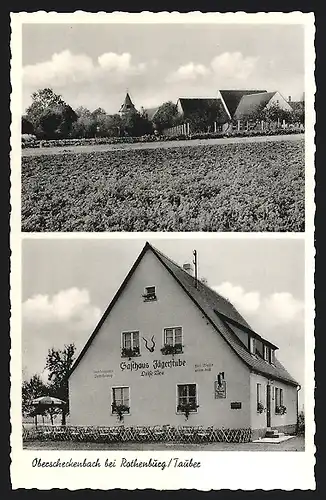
(293, 444)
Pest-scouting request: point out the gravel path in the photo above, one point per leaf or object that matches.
(293, 444)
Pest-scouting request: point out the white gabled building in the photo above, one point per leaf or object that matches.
(168, 342)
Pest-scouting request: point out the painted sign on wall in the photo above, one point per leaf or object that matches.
(103, 373)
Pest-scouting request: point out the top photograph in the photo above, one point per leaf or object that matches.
(163, 126)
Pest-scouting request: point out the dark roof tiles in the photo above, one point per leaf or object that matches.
(250, 104)
(233, 97)
(214, 306)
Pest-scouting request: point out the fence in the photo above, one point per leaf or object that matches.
(183, 129)
(263, 126)
(137, 434)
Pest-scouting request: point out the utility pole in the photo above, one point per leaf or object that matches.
(195, 266)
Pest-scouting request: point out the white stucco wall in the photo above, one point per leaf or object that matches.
(153, 398)
(259, 421)
(279, 100)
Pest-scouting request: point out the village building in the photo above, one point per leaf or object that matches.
(231, 99)
(169, 346)
(250, 104)
(127, 106)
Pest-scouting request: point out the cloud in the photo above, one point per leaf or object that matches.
(53, 321)
(245, 301)
(65, 68)
(226, 66)
(233, 65)
(280, 307)
(72, 305)
(188, 72)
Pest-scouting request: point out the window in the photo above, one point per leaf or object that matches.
(280, 409)
(120, 400)
(266, 353)
(277, 396)
(281, 397)
(260, 406)
(130, 344)
(252, 345)
(172, 340)
(187, 398)
(258, 394)
(150, 293)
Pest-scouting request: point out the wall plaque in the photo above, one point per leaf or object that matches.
(236, 405)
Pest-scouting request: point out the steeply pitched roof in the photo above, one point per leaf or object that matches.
(251, 103)
(233, 97)
(193, 105)
(151, 112)
(128, 104)
(218, 310)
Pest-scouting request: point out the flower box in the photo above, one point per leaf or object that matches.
(280, 410)
(172, 349)
(260, 408)
(129, 353)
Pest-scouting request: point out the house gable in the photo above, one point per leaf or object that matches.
(214, 307)
(279, 100)
(205, 354)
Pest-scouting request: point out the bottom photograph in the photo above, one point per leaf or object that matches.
(186, 344)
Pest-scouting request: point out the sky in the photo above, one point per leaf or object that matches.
(68, 283)
(93, 65)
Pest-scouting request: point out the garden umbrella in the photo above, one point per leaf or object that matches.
(48, 402)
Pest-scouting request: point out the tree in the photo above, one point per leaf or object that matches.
(84, 126)
(166, 116)
(27, 126)
(50, 116)
(59, 363)
(203, 118)
(136, 125)
(275, 113)
(32, 389)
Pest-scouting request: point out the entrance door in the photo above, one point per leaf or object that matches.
(268, 405)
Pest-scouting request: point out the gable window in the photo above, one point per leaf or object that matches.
(120, 400)
(186, 398)
(272, 356)
(266, 353)
(172, 340)
(130, 344)
(252, 345)
(150, 293)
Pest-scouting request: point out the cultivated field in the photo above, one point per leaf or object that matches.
(236, 186)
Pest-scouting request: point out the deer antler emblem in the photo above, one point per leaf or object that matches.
(150, 349)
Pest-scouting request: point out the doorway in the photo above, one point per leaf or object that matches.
(268, 405)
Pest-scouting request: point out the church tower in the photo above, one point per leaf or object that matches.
(127, 106)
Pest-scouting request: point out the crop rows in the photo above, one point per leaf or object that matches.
(232, 187)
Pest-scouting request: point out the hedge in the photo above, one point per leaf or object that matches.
(154, 138)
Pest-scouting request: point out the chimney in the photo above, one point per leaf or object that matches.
(290, 98)
(188, 268)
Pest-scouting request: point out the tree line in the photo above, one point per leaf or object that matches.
(50, 117)
(58, 364)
